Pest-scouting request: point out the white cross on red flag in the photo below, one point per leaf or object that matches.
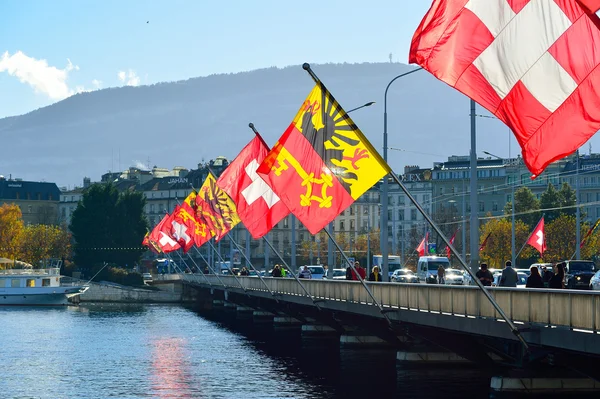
(537, 238)
(257, 205)
(161, 235)
(532, 63)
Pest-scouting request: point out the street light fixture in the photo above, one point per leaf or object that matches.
(384, 192)
(512, 203)
(362, 106)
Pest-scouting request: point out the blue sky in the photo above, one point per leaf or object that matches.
(51, 49)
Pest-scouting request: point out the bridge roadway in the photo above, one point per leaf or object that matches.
(557, 322)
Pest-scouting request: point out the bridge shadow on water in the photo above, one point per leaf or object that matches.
(334, 372)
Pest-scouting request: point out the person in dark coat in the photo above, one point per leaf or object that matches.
(558, 280)
(535, 279)
(546, 275)
(375, 274)
(276, 271)
(484, 275)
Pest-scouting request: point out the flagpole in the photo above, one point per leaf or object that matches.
(292, 273)
(253, 268)
(381, 309)
(228, 267)
(207, 280)
(474, 278)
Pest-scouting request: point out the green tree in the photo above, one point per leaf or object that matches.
(568, 200)
(108, 227)
(526, 207)
(550, 201)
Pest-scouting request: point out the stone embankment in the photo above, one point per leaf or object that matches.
(168, 292)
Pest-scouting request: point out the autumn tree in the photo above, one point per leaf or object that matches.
(498, 247)
(41, 242)
(108, 226)
(11, 231)
(561, 240)
(526, 207)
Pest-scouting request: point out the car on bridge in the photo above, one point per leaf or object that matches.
(339, 274)
(404, 276)
(578, 274)
(521, 279)
(595, 281)
(454, 277)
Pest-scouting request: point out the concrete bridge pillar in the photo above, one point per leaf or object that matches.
(356, 338)
(429, 358)
(318, 331)
(262, 317)
(218, 305)
(573, 387)
(285, 323)
(243, 312)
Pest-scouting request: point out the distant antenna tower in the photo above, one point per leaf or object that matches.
(391, 59)
(590, 148)
(148, 163)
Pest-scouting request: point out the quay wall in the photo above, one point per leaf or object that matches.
(169, 292)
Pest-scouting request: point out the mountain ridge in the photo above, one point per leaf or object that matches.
(180, 123)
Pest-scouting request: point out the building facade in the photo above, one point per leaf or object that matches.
(38, 201)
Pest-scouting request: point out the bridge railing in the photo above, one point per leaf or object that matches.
(565, 308)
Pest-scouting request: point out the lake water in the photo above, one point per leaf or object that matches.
(156, 351)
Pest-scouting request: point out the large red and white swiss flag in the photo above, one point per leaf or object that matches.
(257, 205)
(532, 63)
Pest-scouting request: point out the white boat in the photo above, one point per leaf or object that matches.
(35, 287)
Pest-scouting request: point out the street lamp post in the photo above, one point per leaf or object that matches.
(512, 203)
(384, 191)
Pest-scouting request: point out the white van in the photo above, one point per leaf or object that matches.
(428, 266)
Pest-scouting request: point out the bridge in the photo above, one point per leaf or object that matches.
(424, 322)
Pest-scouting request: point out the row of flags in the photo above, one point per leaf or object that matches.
(542, 88)
(321, 164)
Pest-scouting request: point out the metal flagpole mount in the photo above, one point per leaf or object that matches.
(435, 227)
(292, 273)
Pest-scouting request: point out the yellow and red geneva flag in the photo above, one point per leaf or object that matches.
(322, 163)
(216, 208)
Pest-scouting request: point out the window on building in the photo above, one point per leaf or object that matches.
(468, 207)
(45, 282)
(341, 225)
(29, 209)
(402, 200)
(29, 196)
(481, 206)
(63, 212)
(151, 208)
(401, 214)
(352, 225)
(15, 283)
(426, 198)
(494, 205)
(72, 198)
(413, 214)
(352, 210)
(285, 223)
(30, 283)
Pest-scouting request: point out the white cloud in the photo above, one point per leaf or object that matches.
(97, 83)
(129, 78)
(44, 78)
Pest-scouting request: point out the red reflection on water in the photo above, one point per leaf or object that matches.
(170, 369)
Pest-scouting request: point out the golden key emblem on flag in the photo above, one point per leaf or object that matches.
(285, 160)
